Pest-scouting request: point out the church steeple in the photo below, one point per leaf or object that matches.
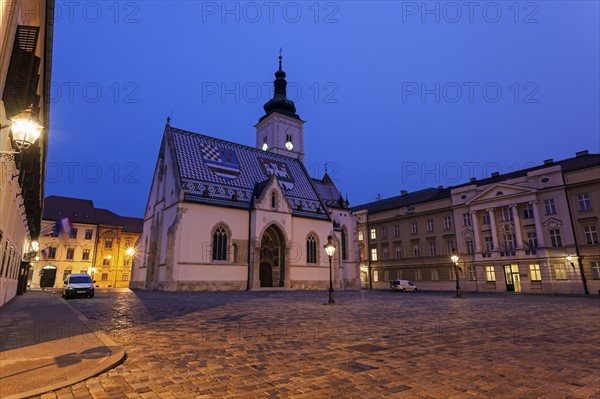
(280, 103)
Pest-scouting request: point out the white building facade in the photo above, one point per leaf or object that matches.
(223, 216)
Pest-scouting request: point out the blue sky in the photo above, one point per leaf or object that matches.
(396, 95)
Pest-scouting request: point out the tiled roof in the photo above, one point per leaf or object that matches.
(219, 172)
(83, 211)
(329, 193)
(408, 199)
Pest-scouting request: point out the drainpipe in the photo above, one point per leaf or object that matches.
(249, 247)
(577, 253)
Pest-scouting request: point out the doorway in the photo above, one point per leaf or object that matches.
(272, 258)
(511, 276)
(48, 277)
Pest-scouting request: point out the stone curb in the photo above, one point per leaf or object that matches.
(117, 356)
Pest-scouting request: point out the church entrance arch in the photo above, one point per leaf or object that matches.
(272, 258)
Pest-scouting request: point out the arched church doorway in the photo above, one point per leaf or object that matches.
(48, 276)
(272, 258)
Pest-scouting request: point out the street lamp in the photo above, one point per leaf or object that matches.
(330, 250)
(454, 258)
(25, 131)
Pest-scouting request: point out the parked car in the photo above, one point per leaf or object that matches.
(403, 285)
(78, 285)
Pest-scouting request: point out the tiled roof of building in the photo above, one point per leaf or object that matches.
(83, 211)
(76, 209)
(329, 193)
(219, 172)
(408, 199)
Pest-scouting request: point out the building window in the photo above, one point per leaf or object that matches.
(584, 202)
(472, 273)
(555, 238)
(104, 276)
(273, 200)
(532, 242)
(528, 212)
(70, 253)
(432, 249)
(490, 273)
(506, 214)
(384, 232)
(375, 275)
(509, 242)
(434, 274)
(51, 252)
(591, 235)
(374, 254)
(534, 270)
(386, 275)
(595, 270)
(373, 234)
(414, 228)
(447, 223)
(125, 277)
(561, 272)
(106, 262)
(466, 219)
(429, 226)
(360, 236)
(311, 249)
(127, 262)
(470, 247)
(66, 274)
(385, 254)
(417, 274)
(398, 253)
(452, 273)
(85, 254)
(219, 249)
(450, 247)
(127, 244)
(73, 232)
(416, 251)
(396, 230)
(88, 234)
(344, 245)
(485, 218)
(108, 243)
(550, 207)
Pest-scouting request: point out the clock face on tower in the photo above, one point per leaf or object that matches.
(289, 146)
(265, 147)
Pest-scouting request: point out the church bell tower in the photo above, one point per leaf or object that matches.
(281, 130)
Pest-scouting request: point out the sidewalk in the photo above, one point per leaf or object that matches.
(46, 344)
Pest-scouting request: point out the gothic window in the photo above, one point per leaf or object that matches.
(311, 249)
(273, 200)
(344, 249)
(219, 250)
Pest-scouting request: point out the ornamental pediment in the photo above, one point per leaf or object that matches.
(553, 223)
(498, 192)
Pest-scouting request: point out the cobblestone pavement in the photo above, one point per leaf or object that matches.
(371, 344)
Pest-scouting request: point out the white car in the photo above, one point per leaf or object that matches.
(403, 285)
(78, 285)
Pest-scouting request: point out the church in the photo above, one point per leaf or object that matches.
(225, 216)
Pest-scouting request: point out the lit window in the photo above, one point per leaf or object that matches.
(360, 236)
(85, 254)
(373, 234)
(125, 277)
(375, 275)
(534, 270)
(108, 243)
(561, 272)
(490, 273)
(374, 254)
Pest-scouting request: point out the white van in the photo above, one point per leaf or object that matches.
(403, 285)
(78, 285)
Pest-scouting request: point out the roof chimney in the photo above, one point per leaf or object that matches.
(473, 179)
(582, 153)
(548, 161)
(440, 187)
(403, 192)
(494, 174)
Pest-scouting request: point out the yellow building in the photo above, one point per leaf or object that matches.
(25, 67)
(79, 238)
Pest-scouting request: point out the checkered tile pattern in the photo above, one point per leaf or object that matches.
(211, 152)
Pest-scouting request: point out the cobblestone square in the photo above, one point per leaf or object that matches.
(370, 344)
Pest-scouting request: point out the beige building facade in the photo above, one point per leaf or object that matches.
(77, 237)
(532, 231)
(25, 66)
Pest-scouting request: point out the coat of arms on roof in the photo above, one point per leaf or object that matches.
(271, 167)
(221, 161)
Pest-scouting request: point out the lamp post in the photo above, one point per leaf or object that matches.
(454, 258)
(330, 250)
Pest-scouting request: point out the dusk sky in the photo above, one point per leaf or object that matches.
(396, 95)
